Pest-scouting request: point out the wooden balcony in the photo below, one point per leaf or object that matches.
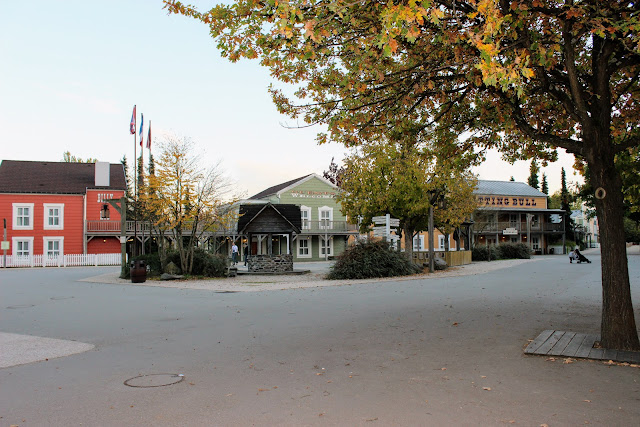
(521, 227)
(327, 227)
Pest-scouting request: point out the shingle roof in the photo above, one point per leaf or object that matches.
(18, 176)
(273, 190)
(289, 212)
(507, 188)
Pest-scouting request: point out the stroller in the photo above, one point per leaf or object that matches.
(579, 257)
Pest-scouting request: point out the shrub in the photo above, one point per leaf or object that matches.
(367, 260)
(502, 251)
(204, 263)
(514, 251)
(481, 253)
(153, 263)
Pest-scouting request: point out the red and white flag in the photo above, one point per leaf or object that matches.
(141, 126)
(132, 125)
(149, 137)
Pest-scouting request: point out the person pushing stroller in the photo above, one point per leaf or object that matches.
(577, 255)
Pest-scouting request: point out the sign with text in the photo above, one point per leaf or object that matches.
(4, 245)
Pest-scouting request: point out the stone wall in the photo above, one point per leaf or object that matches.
(270, 263)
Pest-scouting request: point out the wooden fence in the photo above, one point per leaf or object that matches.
(70, 260)
(452, 258)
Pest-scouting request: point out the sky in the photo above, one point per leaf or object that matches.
(72, 70)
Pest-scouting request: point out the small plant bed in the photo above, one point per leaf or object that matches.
(370, 260)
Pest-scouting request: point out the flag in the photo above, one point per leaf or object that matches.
(149, 137)
(141, 125)
(132, 126)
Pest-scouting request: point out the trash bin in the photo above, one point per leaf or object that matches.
(138, 271)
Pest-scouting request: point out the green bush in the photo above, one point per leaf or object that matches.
(514, 251)
(153, 263)
(204, 263)
(502, 251)
(367, 260)
(481, 253)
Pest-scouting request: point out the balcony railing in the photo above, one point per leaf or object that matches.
(326, 226)
(498, 227)
(308, 227)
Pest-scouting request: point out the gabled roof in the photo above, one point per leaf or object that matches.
(18, 176)
(276, 188)
(281, 188)
(507, 188)
(290, 213)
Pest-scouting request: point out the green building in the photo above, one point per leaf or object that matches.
(324, 231)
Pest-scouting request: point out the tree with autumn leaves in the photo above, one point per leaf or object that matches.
(526, 77)
(184, 199)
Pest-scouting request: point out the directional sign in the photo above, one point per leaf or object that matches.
(382, 219)
(394, 222)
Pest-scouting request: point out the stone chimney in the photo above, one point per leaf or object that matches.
(103, 172)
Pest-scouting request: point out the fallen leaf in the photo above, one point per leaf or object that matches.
(483, 376)
(544, 425)
(192, 383)
(587, 400)
(568, 360)
(486, 388)
(455, 324)
(263, 389)
(443, 369)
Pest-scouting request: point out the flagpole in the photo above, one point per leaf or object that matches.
(141, 176)
(135, 180)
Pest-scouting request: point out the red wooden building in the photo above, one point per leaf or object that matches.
(59, 208)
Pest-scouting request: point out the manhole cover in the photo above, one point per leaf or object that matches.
(13, 307)
(154, 380)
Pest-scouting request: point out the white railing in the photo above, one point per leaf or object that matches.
(70, 260)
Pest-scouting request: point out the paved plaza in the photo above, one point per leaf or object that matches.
(441, 349)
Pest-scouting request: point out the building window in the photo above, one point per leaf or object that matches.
(53, 216)
(22, 246)
(513, 220)
(53, 246)
(441, 243)
(304, 248)
(418, 243)
(305, 213)
(326, 246)
(326, 217)
(535, 242)
(23, 216)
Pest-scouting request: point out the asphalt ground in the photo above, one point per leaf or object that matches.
(430, 351)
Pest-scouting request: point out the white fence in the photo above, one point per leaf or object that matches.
(72, 260)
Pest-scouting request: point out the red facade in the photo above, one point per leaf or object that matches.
(49, 208)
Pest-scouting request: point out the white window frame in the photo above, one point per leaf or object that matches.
(535, 242)
(17, 206)
(308, 241)
(323, 246)
(306, 222)
(45, 246)
(16, 240)
(419, 239)
(441, 243)
(324, 226)
(60, 207)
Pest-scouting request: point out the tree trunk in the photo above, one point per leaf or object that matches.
(618, 328)
(408, 241)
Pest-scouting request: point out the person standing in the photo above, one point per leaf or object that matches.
(234, 253)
